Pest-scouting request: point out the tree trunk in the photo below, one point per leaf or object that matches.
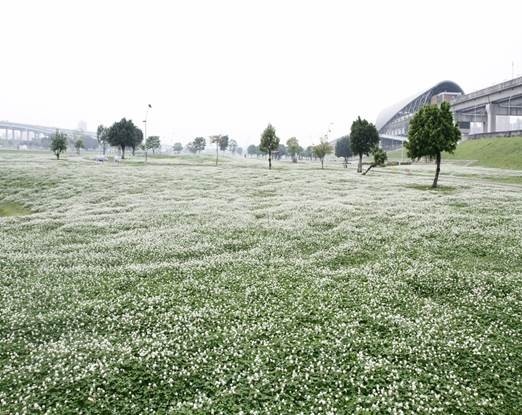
(359, 167)
(133, 150)
(217, 150)
(322, 165)
(269, 160)
(122, 152)
(57, 156)
(346, 162)
(434, 185)
(368, 169)
(104, 147)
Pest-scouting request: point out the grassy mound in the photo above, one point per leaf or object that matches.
(501, 152)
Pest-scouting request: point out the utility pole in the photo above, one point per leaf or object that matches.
(145, 131)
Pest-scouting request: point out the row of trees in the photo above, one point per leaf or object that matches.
(223, 143)
(60, 142)
(362, 140)
(292, 149)
(431, 132)
(122, 134)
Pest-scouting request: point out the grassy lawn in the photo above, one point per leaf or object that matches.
(179, 287)
(13, 209)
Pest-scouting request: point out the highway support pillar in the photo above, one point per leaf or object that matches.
(491, 110)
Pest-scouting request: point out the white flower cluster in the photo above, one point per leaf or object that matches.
(196, 289)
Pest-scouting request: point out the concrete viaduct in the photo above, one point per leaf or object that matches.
(27, 132)
(485, 105)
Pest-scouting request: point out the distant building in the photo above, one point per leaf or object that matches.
(393, 122)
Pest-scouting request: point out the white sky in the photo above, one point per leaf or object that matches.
(230, 67)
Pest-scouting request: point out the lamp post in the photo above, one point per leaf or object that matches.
(145, 130)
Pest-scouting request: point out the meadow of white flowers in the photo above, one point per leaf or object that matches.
(180, 287)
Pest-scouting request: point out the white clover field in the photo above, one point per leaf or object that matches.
(180, 287)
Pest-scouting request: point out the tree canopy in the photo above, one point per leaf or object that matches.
(221, 142)
(58, 143)
(321, 150)
(199, 144)
(343, 149)
(153, 143)
(177, 147)
(293, 148)
(78, 144)
(232, 146)
(269, 143)
(281, 151)
(431, 132)
(379, 158)
(363, 137)
(101, 136)
(124, 134)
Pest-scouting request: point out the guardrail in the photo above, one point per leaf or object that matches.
(510, 133)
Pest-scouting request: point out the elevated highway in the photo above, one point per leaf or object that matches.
(28, 132)
(483, 106)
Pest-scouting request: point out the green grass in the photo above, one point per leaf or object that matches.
(189, 288)
(501, 152)
(13, 209)
(428, 187)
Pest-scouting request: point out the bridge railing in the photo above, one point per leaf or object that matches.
(509, 133)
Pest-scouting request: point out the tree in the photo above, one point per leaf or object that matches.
(239, 150)
(293, 147)
(363, 137)
(137, 139)
(192, 148)
(321, 150)
(177, 147)
(308, 152)
(252, 150)
(343, 149)
(269, 143)
(221, 142)
(232, 146)
(153, 143)
(281, 151)
(379, 158)
(300, 152)
(58, 143)
(199, 144)
(101, 136)
(432, 131)
(124, 134)
(78, 144)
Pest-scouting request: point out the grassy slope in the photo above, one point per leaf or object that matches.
(502, 152)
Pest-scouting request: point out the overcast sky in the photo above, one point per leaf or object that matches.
(230, 67)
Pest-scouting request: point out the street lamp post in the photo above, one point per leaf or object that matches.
(145, 131)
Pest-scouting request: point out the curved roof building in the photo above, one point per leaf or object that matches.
(392, 122)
